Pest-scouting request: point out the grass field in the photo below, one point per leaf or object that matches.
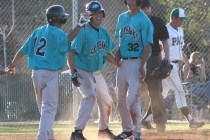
(174, 131)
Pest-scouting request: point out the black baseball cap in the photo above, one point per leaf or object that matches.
(145, 3)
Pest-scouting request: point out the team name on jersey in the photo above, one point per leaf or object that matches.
(128, 30)
(100, 45)
(177, 41)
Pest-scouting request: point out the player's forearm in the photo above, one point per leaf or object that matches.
(166, 49)
(145, 55)
(117, 54)
(16, 59)
(74, 33)
(111, 59)
(70, 61)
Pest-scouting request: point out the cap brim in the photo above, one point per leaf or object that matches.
(183, 18)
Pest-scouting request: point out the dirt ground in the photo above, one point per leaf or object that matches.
(147, 135)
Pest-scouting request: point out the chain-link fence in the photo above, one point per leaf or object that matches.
(19, 18)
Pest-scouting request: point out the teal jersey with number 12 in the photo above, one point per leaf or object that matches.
(46, 48)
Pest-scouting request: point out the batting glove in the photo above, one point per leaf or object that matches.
(85, 17)
(74, 78)
(10, 70)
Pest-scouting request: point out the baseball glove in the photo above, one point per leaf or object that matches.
(163, 71)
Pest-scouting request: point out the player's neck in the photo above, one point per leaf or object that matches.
(175, 27)
(133, 12)
(94, 26)
(56, 24)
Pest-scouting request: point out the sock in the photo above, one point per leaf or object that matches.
(189, 118)
(186, 113)
(149, 118)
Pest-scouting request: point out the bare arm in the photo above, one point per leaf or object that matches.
(185, 60)
(145, 55)
(16, 60)
(71, 65)
(166, 49)
(187, 73)
(117, 57)
(74, 33)
(70, 61)
(143, 61)
(82, 21)
(111, 59)
(203, 73)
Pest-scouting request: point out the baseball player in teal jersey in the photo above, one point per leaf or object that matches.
(46, 50)
(88, 56)
(135, 33)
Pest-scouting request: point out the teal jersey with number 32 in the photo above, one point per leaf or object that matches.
(46, 48)
(134, 33)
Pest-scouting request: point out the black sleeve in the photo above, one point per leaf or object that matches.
(163, 32)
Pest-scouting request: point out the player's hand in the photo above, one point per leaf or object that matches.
(10, 70)
(168, 60)
(74, 77)
(85, 17)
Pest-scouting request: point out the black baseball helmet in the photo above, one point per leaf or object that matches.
(56, 13)
(138, 2)
(95, 6)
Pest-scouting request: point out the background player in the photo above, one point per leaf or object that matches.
(157, 105)
(135, 33)
(176, 44)
(87, 58)
(173, 82)
(46, 50)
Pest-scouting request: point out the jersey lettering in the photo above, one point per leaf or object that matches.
(100, 45)
(176, 41)
(128, 30)
(39, 50)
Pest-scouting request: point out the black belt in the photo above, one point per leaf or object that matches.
(175, 61)
(129, 58)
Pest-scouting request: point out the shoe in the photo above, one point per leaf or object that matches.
(50, 135)
(137, 136)
(146, 125)
(160, 128)
(105, 133)
(123, 135)
(195, 124)
(77, 135)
